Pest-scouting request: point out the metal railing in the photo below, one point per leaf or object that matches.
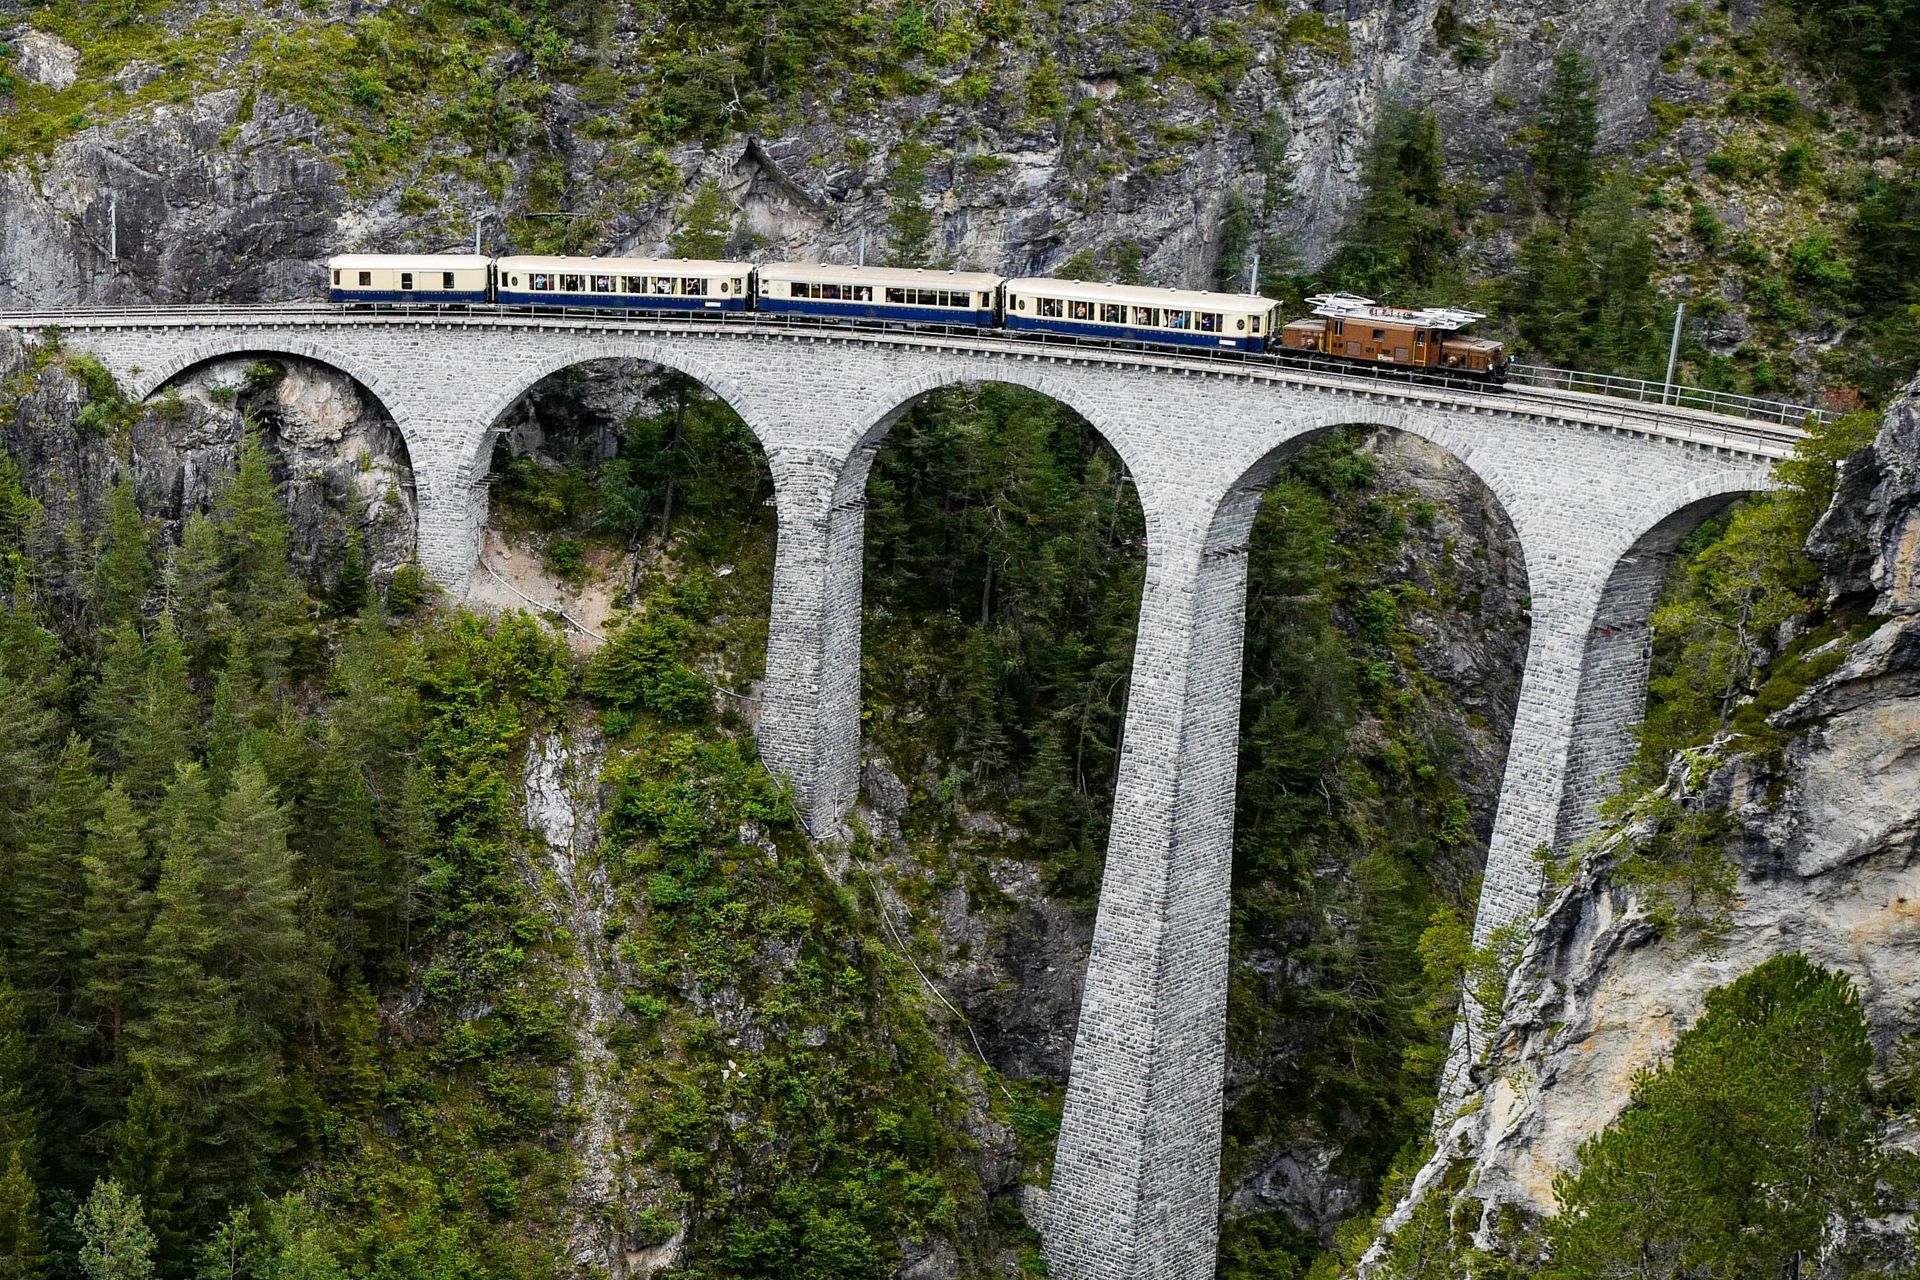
(1782, 412)
(1627, 403)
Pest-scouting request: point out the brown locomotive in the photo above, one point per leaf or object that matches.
(1355, 328)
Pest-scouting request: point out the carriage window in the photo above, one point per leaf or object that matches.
(1147, 316)
(1241, 324)
(1022, 304)
(1256, 324)
(336, 278)
(366, 279)
(663, 285)
(406, 281)
(1051, 307)
(1082, 310)
(986, 300)
(1208, 321)
(694, 287)
(1112, 313)
(896, 296)
(446, 279)
(540, 280)
(632, 284)
(723, 286)
(1176, 319)
(573, 284)
(862, 293)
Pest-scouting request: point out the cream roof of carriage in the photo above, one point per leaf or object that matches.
(627, 266)
(1139, 296)
(408, 262)
(882, 277)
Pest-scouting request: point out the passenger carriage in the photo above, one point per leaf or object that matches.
(632, 284)
(1170, 317)
(877, 293)
(408, 277)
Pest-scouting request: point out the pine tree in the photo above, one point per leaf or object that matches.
(195, 578)
(268, 605)
(114, 922)
(45, 891)
(123, 678)
(115, 1243)
(164, 719)
(187, 1036)
(150, 1162)
(1401, 229)
(1566, 134)
(255, 899)
(346, 860)
(23, 1252)
(125, 567)
(23, 1244)
(910, 243)
(1623, 332)
(353, 586)
(707, 225)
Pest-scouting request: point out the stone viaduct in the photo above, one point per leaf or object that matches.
(1599, 491)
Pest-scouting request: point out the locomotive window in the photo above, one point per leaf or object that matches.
(1339, 328)
(406, 281)
(446, 279)
(573, 284)
(1379, 335)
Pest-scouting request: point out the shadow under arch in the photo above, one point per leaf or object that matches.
(851, 487)
(232, 345)
(1003, 562)
(738, 395)
(1616, 666)
(1363, 801)
(334, 491)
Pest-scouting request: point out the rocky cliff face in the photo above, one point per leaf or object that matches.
(231, 194)
(1824, 844)
(341, 461)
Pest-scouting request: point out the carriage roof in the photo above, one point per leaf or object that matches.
(408, 262)
(896, 277)
(1140, 296)
(626, 266)
(1349, 306)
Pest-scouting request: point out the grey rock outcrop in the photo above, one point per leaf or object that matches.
(1825, 849)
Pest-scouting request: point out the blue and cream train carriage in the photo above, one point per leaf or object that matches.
(1066, 309)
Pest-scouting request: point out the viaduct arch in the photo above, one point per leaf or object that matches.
(1600, 494)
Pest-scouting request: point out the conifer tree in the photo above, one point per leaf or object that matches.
(195, 577)
(1565, 136)
(115, 1243)
(187, 1036)
(910, 243)
(125, 566)
(123, 678)
(707, 225)
(23, 1252)
(150, 1161)
(1401, 229)
(266, 602)
(23, 1244)
(255, 901)
(113, 922)
(44, 893)
(352, 587)
(346, 860)
(163, 720)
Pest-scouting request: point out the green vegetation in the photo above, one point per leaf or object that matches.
(1751, 1152)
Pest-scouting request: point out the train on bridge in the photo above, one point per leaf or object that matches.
(1342, 327)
